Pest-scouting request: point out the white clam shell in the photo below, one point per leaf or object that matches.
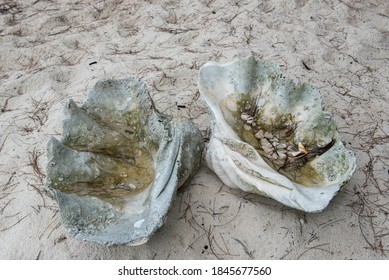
(291, 112)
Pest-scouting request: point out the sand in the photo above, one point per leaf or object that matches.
(51, 51)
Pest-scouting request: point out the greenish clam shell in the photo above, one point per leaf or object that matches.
(119, 162)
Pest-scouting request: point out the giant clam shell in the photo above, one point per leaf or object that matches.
(119, 162)
(271, 136)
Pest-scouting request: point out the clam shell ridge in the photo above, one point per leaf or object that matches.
(118, 164)
(271, 136)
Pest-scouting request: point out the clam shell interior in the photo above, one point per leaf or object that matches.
(117, 167)
(270, 135)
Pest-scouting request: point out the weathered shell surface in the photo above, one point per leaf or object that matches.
(117, 167)
(291, 152)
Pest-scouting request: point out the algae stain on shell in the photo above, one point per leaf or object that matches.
(281, 130)
(121, 167)
(101, 175)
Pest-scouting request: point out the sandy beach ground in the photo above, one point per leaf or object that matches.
(51, 51)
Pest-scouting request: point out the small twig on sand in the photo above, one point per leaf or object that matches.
(317, 247)
(34, 156)
(6, 204)
(246, 250)
(2, 144)
(7, 228)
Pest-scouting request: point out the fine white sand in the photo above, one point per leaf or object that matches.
(51, 51)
